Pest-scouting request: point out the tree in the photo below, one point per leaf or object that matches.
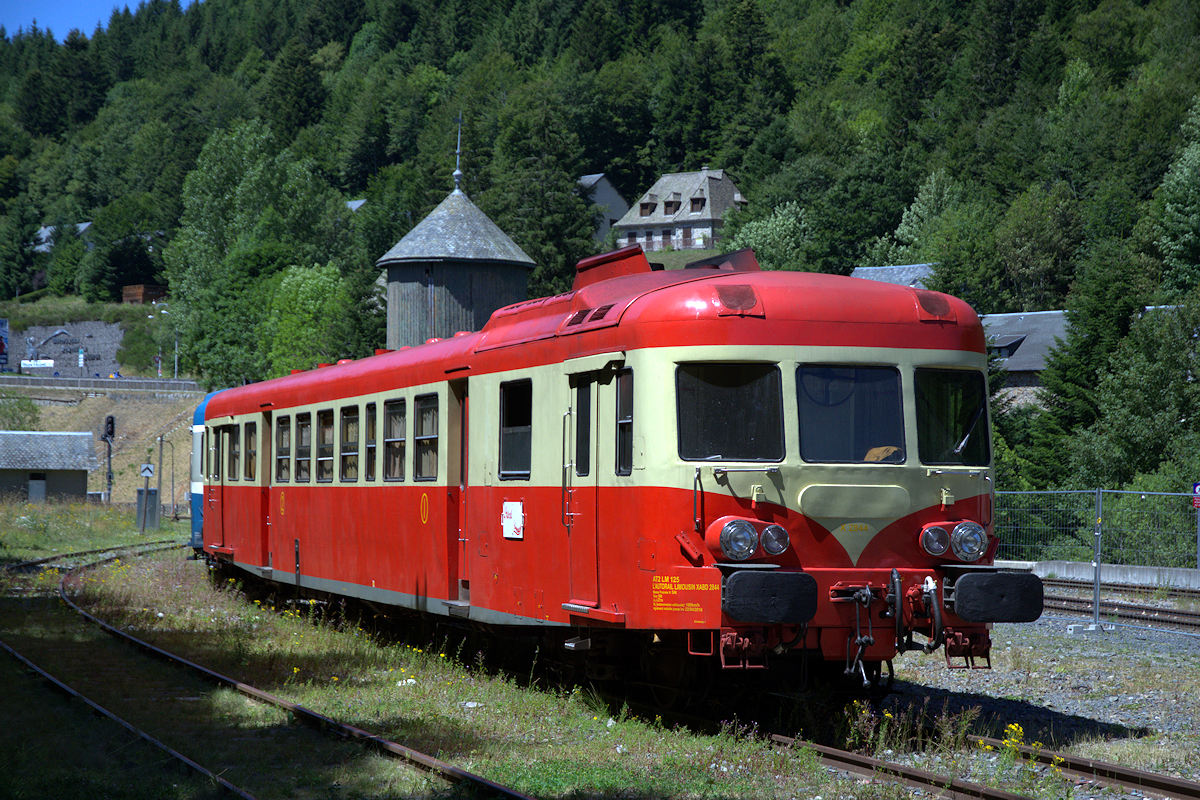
(18, 413)
(294, 91)
(1037, 242)
(535, 195)
(780, 240)
(1178, 222)
(309, 321)
(1109, 291)
(1148, 404)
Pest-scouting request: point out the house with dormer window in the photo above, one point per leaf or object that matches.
(682, 211)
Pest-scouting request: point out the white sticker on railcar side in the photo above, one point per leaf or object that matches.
(197, 487)
(512, 519)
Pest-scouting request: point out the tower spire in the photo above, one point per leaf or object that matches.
(457, 157)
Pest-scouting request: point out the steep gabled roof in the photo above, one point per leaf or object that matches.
(456, 231)
(713, 185)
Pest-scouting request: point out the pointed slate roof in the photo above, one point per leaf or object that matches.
(456, 231)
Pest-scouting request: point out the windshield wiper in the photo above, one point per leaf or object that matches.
(970, 429)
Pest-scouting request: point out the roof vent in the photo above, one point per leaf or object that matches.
(578, 317)
(600, 312)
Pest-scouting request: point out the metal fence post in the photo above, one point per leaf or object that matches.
(1198, 538)
(1096, 557)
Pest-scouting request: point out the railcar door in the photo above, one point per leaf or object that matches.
(214, 515)
(580, 479)
(459, 589)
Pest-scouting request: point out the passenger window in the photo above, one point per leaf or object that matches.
(583, 427)
(303, 447)
(394, 420)
(283, 449)
(216, 454)
(425, 437)
(516, 425)
(234, 434)
(325, 445)
(625, 422)
(251, 431)
(349, 465)
(369, 423)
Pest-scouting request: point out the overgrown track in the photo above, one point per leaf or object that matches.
(132, 690)
(1103, 772)
(942, 785)
(450, 772)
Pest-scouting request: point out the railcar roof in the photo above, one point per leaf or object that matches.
(622, 290)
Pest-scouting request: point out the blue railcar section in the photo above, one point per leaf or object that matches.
(197, 476)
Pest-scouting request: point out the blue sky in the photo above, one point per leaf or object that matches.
(60, 16)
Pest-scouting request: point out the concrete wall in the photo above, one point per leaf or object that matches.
(99, 340)
(62, 484)
(1166, 577)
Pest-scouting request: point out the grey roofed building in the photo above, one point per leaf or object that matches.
(915, 275)
(682, 210)
(35, 465)
(598, 189)
(449, 273)
(1023, 340)
(43, 239)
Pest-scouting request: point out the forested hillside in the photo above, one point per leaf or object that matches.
(1042, 154)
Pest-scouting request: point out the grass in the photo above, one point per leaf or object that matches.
(30, 531)
(546, 742)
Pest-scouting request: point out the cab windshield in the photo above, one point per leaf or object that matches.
(850, 414)
(729, 412)
(952, 424)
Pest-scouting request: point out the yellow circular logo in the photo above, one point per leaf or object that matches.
(281, 504)
(424, 508)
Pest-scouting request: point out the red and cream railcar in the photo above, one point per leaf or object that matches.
(739, 465)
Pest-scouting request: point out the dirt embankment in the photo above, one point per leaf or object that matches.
(140, 419)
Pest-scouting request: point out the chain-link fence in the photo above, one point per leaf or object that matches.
(1155, 529)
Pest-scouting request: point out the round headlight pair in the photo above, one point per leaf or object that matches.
(740, 540)
(968, 541)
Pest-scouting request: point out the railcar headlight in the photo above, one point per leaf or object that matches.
(739, 539)
(968, 540)
(775, 539)
(935, 540)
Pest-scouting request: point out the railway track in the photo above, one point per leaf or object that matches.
(1182, 593)
(1083, 770)
(68, 647)
(1125, 612)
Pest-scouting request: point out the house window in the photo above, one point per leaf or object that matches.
(369, 423)
(425, 437)
(666, 236)
(646, 209)
(283, 448)
(303, 447)
(251, 450)
(394, 418)
(687, 235)
(516, 426)
(625, 422)
(670, 207)
(697, 205)
(349, 454)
